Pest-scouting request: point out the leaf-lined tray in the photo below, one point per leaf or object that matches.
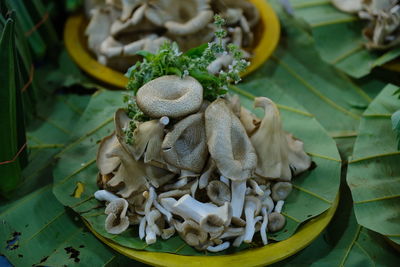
(374, 170)
(347, 53)
(314, 191)
(266, 38)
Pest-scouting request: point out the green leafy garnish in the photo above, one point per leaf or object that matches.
(136, 115)
(169, 60)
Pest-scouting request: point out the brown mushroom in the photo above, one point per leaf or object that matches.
(185, 146)
(218, 192)
(276, 221)
(281, 190)
(299, 161)
(170, 96)
(105, 163)
(117, 220)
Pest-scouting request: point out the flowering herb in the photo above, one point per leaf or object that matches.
(136, 115)
(170, 61)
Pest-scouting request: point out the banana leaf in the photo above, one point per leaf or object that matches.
(9, 157)
(296, 66)
(374, 170)
(346, 243)
(339, 39)
(314, 192)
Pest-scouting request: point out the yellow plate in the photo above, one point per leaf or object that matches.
(266, 38)
(262, 256)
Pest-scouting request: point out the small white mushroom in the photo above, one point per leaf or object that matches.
(281, 190)
(170, 96)
(276, 221)
(218, 192)
(152, 230)
(210, 217)
(256, 188)
(142, 228)
(264, 225)
(252, 208)
(104, 195)
(279, 206)
(238, 195)
(220, 247)
(117, 220)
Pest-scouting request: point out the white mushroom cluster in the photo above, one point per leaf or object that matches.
(211, 172)
(118, 29)
(383, 29)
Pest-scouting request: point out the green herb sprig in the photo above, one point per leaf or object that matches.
(170, 61)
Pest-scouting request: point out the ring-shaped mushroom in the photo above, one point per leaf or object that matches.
(170, 96)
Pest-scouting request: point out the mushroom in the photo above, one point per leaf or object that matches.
(279, 206)
(270, 143)
(170, 96)
(218, 192)
(185, 146)
(220, 247)
(232, 232)
(251, 209)
(228, 142)
(207, 173)
(167, 232)
(299, 161)
(104, 195)
(249, 121)
(238, 240)
(192, 26)
(210, 217)
(276, 221)
(105, 163)
(191, 232)
(281, 190)
(142, 228)
(256, 188)
(117, 221)
(238, 195)
(352, 6)
(98, 28)
(174, 193)
(224, 180)
(152, 229)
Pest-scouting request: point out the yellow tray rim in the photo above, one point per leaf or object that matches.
(262, 256)
(82, 57)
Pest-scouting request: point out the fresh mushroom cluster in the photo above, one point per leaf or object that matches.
(118, 29)
(383, 29)
(212, 172)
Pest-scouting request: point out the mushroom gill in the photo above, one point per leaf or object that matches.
(228, 143)
(117, 220)
(270, 143)
(170, 96)
(185, 146)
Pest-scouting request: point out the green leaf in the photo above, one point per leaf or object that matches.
(297, 68)
(347, 53)
(315, 190)
(373, 172)
(196, 51)
(345, 243)
(10, 171)
(396, 126)
(146, 54)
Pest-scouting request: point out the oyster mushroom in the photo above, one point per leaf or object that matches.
(117, 220)
(170, 96)
(238, 195)
(210, 217)
(192, 26)
(251, 210)
(220, 247)
(191, 232)
(352, 6)
(174, 193)
(185, 146)
(105, 163)
(299, 161)
(228, 142)
(218, 192)
(270, 143)
(207, 173)
(281, 190)
(276, 221)
(98, 29)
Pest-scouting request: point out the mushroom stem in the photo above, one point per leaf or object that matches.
(263, 229)
(224, 180)
(238, 241)
(279, 205)
(180, 183)
(142, 227)
(173, 193)
(252, 207)
(232, 232)
(238, 194)
(194, 187)
(165, 212)
(220, 247)
(152, 229)
(256, 188)
(104, 195)
(151, 237)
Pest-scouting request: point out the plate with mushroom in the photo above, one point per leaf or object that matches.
(106, 44)
(190, 166)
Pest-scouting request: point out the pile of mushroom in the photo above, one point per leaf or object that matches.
(212, 172)
(383, 29)
(119, 28)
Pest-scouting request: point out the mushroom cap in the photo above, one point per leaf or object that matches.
(228, 143)
(218, 192)
(299, 161)
(170, 96)
(117, 221)
(254, 202)
(192, 233)
(105, 163)
(276, 221)
(281, 190)
(352, 6)
(185, 146)
(270, 143)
